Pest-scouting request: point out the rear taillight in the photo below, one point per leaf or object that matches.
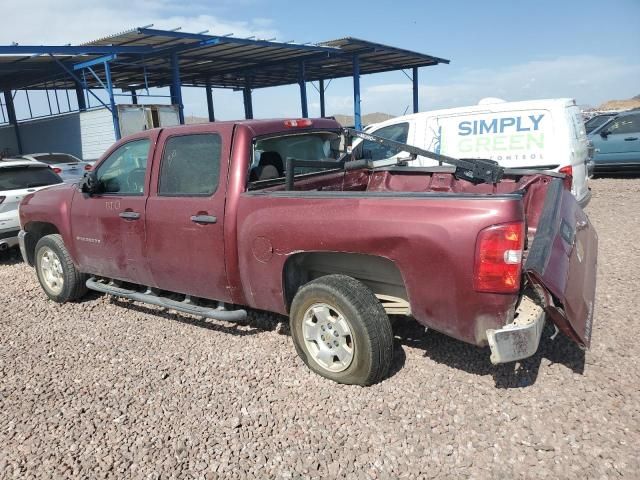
(57, 170)
(498, 263)
(568, 179)
(87, 167)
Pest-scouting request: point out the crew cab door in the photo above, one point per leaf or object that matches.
(185, 212)
(619, 141)
(563, 260)
(109, 227)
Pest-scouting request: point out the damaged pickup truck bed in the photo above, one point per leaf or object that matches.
(277, 215)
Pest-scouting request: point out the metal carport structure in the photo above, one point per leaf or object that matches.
(144, 58)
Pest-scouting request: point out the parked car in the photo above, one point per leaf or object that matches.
(70, 168)
(536, 134)
(617, 144)
(597, 121)
(17, 179)
(274, 215)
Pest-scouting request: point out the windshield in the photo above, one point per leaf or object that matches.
(18, 178)
(270, 154)
(53, 158)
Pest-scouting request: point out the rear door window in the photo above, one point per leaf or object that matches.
(190, 165)
(19, 178)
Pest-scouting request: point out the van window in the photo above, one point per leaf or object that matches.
(374, 151)
(190, 166)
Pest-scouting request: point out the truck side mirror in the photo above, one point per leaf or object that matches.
(604, 133)
(89, 183)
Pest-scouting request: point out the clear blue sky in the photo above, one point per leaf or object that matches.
(588, 50)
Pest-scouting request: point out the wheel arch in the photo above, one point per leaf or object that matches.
(35, 231)
(378, 273)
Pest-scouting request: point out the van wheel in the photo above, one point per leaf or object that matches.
(341, 331)
(58, 276)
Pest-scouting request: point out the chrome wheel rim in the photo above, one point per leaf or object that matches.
(51, 270)
(327, 336)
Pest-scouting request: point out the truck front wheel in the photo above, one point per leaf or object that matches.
(58, 276)
(341, 331)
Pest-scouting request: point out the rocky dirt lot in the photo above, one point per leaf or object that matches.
(106, 388)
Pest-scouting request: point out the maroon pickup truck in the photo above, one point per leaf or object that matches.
(279, 215)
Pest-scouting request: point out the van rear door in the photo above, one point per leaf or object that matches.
(563, 261)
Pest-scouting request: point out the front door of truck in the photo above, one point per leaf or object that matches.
(619, 141)
(185, 212)
(109, 227)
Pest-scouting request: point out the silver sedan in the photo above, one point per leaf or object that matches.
(69, 168)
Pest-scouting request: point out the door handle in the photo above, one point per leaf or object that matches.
(128, 215)
(203, 219)
(629, 139)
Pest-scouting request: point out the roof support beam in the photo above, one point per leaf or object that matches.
(414, 80)
(176, 86)
(112, 101)
(95, 61)
(13, 120)
(82, 104)
(72, 50)
(321, 91)
(303, 91)
(357, 118)
(248, 102)
(212, 115)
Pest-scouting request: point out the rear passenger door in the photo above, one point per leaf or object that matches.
(185, 212)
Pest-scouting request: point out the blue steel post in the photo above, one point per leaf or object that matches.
(248, 103)
(303, 91)
(112, 102)
(321, 89)
(357, 118)
(13, 120)
(415, 89)
(212, 115)
(176, 86)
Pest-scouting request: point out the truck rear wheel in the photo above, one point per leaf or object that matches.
(341, 331)
(58, 276)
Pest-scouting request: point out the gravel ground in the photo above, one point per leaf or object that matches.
(106, 388)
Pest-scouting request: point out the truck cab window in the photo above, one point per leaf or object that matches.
(270, 154)
(190, 165)
(124, 171)
(374, 151)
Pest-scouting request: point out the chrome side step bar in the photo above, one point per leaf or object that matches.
(148, 297)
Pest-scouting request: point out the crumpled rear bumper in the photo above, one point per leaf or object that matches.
(520, 338)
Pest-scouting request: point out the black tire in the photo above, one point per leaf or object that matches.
(73, 282)
(367, 320)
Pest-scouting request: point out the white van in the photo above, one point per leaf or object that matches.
(535, 134)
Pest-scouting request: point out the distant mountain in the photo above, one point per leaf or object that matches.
(368, 119)
(346, 120)
(621, 104)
